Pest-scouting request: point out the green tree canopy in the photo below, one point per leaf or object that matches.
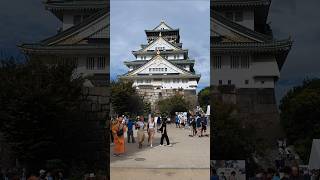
(176, 103)
(204, 98)
(39, 105)
(125, 100)
(230, 139)
(300, 112)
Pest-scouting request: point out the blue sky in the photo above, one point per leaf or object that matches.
(129, 19)
(28, 21)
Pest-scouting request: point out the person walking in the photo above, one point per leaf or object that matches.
(177, 121)
(130, 135)
(140, 126)
(151, 130)
(118, 132)
(158, 121)
(198, 124)
(164, 134)
(203, 125)
(194, 126)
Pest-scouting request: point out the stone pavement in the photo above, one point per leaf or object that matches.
(159, 174)
(189, 157)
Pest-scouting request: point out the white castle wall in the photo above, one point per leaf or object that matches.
(262, 73)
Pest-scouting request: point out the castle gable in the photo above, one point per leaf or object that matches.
(158, 65)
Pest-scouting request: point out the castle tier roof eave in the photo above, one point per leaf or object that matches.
(58, 8)
(240, 3)
(73, 29)
(55, 5)
(126, 77)
(141, 52)
(174, 45)
(249, 32)
(161, 30)
(280, 49)
(252, 46)
(64, 49)
(141, 62)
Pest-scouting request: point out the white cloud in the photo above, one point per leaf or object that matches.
(130, 19)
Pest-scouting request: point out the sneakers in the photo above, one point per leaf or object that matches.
(170, 145)
(150, 145)
(160, 145)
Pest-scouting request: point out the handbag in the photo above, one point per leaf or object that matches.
(120, 132)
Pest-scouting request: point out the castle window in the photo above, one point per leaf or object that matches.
(229, 82)
(90, 63)
(217, 62)
(220, 82)
(245, 62)
(101, 62)
(234, 62)
(74, 61)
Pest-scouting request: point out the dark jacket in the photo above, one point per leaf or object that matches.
(163, 128)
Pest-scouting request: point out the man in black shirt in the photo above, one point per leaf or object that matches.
(163, 130)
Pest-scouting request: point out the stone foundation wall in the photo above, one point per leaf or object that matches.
(154, 95)
(94, 139)
(96, 107)
(255, 106)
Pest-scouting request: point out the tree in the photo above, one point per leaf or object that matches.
(39, 105)
(125, 100)
(300, 112)
(231, 139)
(204, 97)
(176, 103)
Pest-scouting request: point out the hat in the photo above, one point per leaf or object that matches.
(42, 171)
(91, 175)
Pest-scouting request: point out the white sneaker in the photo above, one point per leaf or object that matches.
(151, 145)
(160, 145)
(170, 145)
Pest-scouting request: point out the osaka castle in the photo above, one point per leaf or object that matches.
(162, 67)
(245, 54)
(246, 60)
(82, 39)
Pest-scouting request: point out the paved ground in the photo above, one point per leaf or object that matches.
(159, 174)
(189, 157)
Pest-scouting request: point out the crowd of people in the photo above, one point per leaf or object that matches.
(287, 173)
(16, 174)
(124, 124)
(197, 123)
(154, 124)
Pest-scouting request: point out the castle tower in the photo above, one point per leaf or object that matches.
(162, 67)
(246, 61)
(82, 39)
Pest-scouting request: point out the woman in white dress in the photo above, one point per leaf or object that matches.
(151, 129)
